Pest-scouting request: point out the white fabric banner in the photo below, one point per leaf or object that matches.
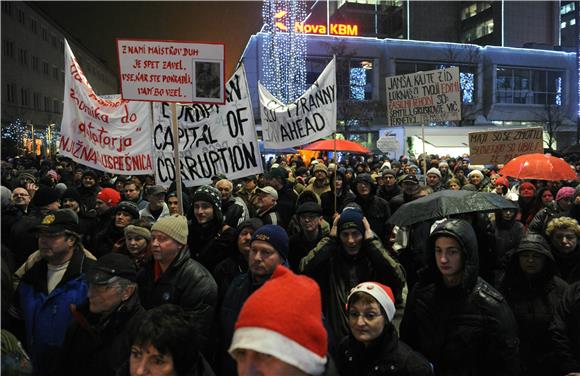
(213, 139)
(107, 135)
(310, 118)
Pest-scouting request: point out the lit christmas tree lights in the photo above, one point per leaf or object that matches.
(284, 49)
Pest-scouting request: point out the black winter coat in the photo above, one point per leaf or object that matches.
(209, 244)
(464, 330)
(185, 283)
(96, 345)
(377, 211)
(565, 332)
(387, 356)
(286, 203)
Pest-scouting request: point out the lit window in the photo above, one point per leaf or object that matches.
(572, 22)
(563, 25)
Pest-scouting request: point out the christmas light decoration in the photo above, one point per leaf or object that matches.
(284, 49)
(358, 81)
(467, 83)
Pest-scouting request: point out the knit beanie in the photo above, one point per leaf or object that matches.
(321, 167)
(443, 164)
(53, 174)
(60, 187)
(475, 172)
(128, 207)
(565, 192)
(276, 236)
(502, 181)
(45, 196)
(366, 178)
(109, 196)
(138, 230)
(389, 172)
(434, 171)
(211, 195)
(71, 193)
(174, 226)
(383, 294)
(90, 173)
(291, 328)
(351, 218)
(527, 185)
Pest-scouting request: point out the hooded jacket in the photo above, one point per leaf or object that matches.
(377, 211)
(464, 330)
(533, 302)
(565, 332)
(344, 196)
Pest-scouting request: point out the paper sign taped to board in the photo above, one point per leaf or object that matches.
(500, 146)
(424, 97)
(388, 144)
(171, 71)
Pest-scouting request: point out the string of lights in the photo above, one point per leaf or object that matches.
(284, 49)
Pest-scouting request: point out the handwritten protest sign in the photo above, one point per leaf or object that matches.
(107, 135)
(423, 97)
(171, 71)
(310, 118)
(388, 144)
(213, 139)
(500, 146)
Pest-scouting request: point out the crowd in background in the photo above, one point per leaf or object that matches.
(294, 271)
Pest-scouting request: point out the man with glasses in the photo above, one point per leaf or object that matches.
(97, 340)
(21, 199)
(52, 280)
(309, 217)
(390, 188)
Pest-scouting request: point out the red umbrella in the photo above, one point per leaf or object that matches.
(341, 145)
(538, 166)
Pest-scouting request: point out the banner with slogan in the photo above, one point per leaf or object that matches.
(107, 135)
(424, 97)
(501, 146)
(310, 118)
(213, 139)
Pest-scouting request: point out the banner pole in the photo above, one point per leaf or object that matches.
(424, 155)
(336, 170)
(177, 163)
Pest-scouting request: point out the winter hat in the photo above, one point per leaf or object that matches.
(443, 164)
(128, 207)
(502, 181)
(138, 230)
(383, 294)
(565, 192)
(109, 196)
(291, 328)
(90, 173)
(389, 172)
(60, 187)
(386, 165)
(53, 174)
(309, 207)
(45, 196)
(434, 171)
(174, 226)
(351, 219)
(6, 196)
(209, 194)
(276, 236)
(110, 266)
(321, 167)
(72, 194)
(475, 172)
(254, 223)
(527, 185)
(364, 178)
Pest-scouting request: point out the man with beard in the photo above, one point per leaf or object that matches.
(269, 248)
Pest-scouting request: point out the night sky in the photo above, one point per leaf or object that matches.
(96, 24)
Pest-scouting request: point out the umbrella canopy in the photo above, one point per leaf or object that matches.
(446, 203)
(538, 166)
(263, 149)
(341, 145)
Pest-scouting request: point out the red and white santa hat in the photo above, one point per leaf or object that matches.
(383, 294)
(283, 319)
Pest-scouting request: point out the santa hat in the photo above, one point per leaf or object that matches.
(383, 294)
(283, 319)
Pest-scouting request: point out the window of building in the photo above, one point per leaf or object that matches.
(528, 86)
(55, 72)
(61, 45)
(567, 8)
(482, 29)
(572, 22)
(474, 8)
(467, 75)
(7, 8)
(46, 104)
(21, 17)
(56, 106)
(11, 93)
(563, 25)
(36, 101)
(23, 56)
(33, 25)
(54, 40)
(25, 97)
(44, 34)
(45, 68)
(8, 48)
(35, 63)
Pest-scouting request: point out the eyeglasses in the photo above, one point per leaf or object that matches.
(367, 316)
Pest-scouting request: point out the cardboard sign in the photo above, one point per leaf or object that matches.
(310, 118)
(171, 71)
(424, 97)
(500, 146)
(111, 135)
(212, 139)
(388, 144)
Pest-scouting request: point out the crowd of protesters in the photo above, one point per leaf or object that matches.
(297, 271)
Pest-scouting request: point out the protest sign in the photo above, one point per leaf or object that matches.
(107, 135)
(424, 97)
(500, 146)
(310, 118)
(171, 71)
(213, 139)
(388, 144)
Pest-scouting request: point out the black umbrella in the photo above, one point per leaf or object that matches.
(447, 203)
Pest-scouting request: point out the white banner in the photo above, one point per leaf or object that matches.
(310, 118)
(107, 135)
(213, 139)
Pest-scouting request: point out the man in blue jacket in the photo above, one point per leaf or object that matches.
(51, 285)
